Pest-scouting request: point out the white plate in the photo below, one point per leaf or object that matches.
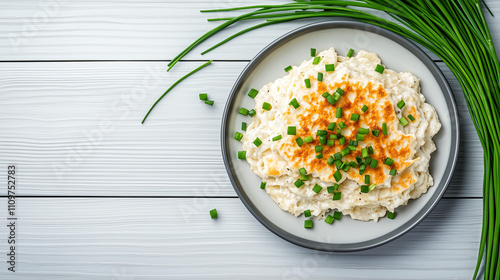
(396, 53)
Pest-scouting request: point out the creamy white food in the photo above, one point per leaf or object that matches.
(278, 162)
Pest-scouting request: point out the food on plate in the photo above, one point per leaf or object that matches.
(341, 133)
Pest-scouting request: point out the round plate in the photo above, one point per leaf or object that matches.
(396, 53)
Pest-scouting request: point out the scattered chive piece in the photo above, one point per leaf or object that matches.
(384, 128)
(362, 169)
(316, 60)
(298, 183)
(302, 171)
(322, 140)
(350, 53)
(336, 186)
(372, 187)
(364, 108)
(317, 188)
(370, 150)
(393, 172)
(380, 68)
(329, 67)
(253, 92)
(307, 213)
(308, 139)
(330, 160)
(411, 117)
(367, 179)
(375, 132)
(401, 104)
(331, 126)
(308, 224)
(243, 112)
(353, 164)
(388, 161)
(338, 163)
(337, 156)
(359, 159)
(299, 141)
(336, 96)
(213, 213)
(307, 82)
(352, 148)
(318, 148)
(334, 136)
(360, 137)
(203, 96)
(330, 189)
(403, 121)
(238, 136)
(266, 106)
(330, 143)
(364, 189)
(337, 215)
(209, 102)
(319, 156)
(345, 166)
(263, 185)
(321, 132)
(391, 215)
(292, 130)
(363, 130)
(342, 124)
(329, 219)
(373, 163)
(252, 113)
(277, 137)
(244, 126)
(288, 68)
(337, 175)
(313, 52)
(342, 140)
(364, 153)
(345, 152)
(325, 94)
(257, 142)
(354, 117)
(337, 196)
(339, 91)
(304, 177)
(331, 99)
(353, 142)
(320, 77)
(368, 160)
(242, 154)
(294, 103)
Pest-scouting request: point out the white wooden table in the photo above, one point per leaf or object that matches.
(100, 196)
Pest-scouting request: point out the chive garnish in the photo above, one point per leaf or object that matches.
(363, 130)
(330, 160)
(238, 136)
(294, 103)
(342, 140)
(375, 132)
(360, 137)
(372, 187)
(313, 52)
(337, 156)
(308, 224)
(302, 171)
(291, 130)
(364, 189)
(354, 117)
(308, 139)
(345, 152)
(331, 126)
(209, 102)
(367, 179)
(350, 53)
(252, 113)
(307, 82)
(319, 156)
(411, 117)
(403, 121)
(325, 94)
(317, 188)
(299, 141)
(316, 60)
(253, 92)
(203, 96)
(321, 132)
(401, 104)
(380, 68)
(388, 161)
(329, 67)
(338, 163)
(334, 136)
(320, 77)
(329, 219)
(257, 142)
(288, 68)
(364, 108)
(337, 175)
(318, 148)
(307, 213)
(263, 185)
(364, 153)
(342, 125)
(242, 154)
(337, 196)
(277, 137)
(304, 177)
(353, 164)
(337, 215)
(298, 183)
(339, 91)
(362, 169)
(322, 140)
(373, 163)
(331, 99)
(391, 215)
(266, 106)
(244, 126)
(384, 128)
(243, 111)
(213, 213)
(370, 150)
(393, 172)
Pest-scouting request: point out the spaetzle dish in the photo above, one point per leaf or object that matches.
(341, 133)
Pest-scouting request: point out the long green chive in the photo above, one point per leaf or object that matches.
(364, 189)
(342, 140)
(277, 137)
(375, 132)
(329, 219)
(308, 224)
(337, 196)
(242, 154)
(308, 139)
(257, 142)
(172, 86)
(263, 185)
(304, 177)
(320, 77)
(331, 126)
(364, 108)
(294, 103)
(384, 128)
(318, 148)
(298, 183)
(330, 160)
(401, 104)
(253, 92)
(213, 213)
(403, 121)
(363, 130)
(307, 82)
(266, 106)
(329, 67)
(393, 172)
(319, 156)
(367, 179)
(337, 175)
(337, 215)
(291, 130)
(391, 215)
(388, 161)
(364, 152)
(411, 117)
(288, 68)
(299, 141)
(243, 111)
(354, 117)
(379, 68)
(316, 60)
(360, 137)
(238, 136)
(252, 113)
(350, 53)
(203, 96)
(244, 126)
(373, 163)
(317, 188)
(313, 52)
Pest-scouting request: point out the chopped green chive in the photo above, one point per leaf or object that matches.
(242, 154)
(339, 91)
(342, 140)
(364, 108)
(337, 156)
(391, 215)
(320, 77)
(342, 125)
(330, 99)
(203, 96)
(304, 177)
(319, 156)
(367, 179)
(294, 103)
(243, 112)
(345, 152)
(213, 213)
(411, 117)
(362, 169)
(330, 160)
(257, 142)
(379, 68)
(329, 219)
(322, 140)
(337, 215)
(354, 117)
(317, 188)
(329, 67)
(360, 137)
(298, 183)
(238, 136)
(353, 164)
(244, 126)
(277, 137)
(307, 213)
(338, 163)
(336, 96)
(252, 113)
(308, 139)
(307, 82)
(330, 189)
(330, 142)
(331, 126)
(364, 189)
(302, 171)
(375, 132)
(363, 130)
(337, 196)
(263, 185)
(288, 68)
(372, 187)
(334, 136)
(384, 128)
(364, 153)
(393, 172)
(403, 121)
(352, 148)
(337, 175)
(253, 92)
(321, 132)
(308, 224)
(291, 130)
(368, 160)
(350, 53)
(345, 166)
(266, 106)
(401, 104)
(299, 141)
(353, 143)
(373, 163)
(318, 148)
(316, 60)
(209, 102)
(370, 150)
(388, 161)
(359, 159)
(313, 52)
(325, 94)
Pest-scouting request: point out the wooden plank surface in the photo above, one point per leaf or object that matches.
(73, 128)
(78, 238)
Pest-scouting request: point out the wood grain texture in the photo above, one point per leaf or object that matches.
(74, 129)
(61, 238)
(133, 30)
